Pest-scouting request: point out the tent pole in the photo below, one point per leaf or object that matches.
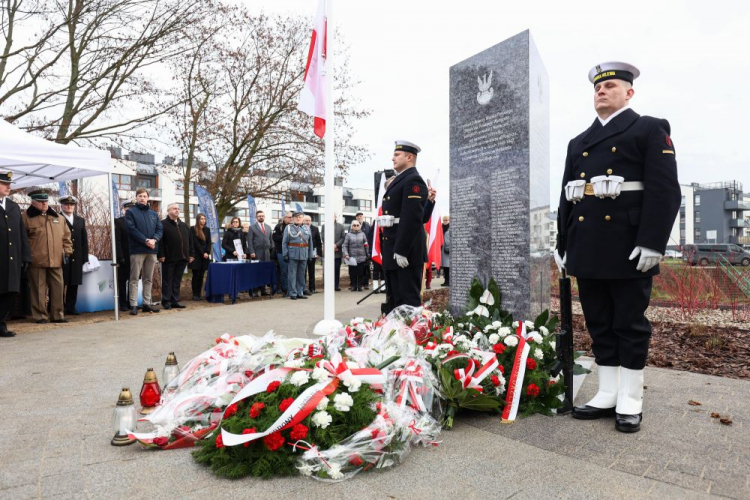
(114, 246)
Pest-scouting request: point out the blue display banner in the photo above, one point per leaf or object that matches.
(116, 209)
(252, 208)
(208, 208)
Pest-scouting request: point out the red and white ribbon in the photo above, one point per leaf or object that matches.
(515, 385)
(411, 382)
(467, 376)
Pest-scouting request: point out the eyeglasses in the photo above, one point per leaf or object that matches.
(355, 225)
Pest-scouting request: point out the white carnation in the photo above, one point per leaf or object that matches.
(320, 374)
(538, 353)
(460, 338)
(529, 325)
(511, 341)
(536, 337)
(305, 470)
(335, 471)
(293, 363)
(553, 345)
(353, 384)
(343, 402)
(504, 331)
(322, 419)
(323, 404)
(515, 324)
(544, 330)
(299, 378)
(494, 338)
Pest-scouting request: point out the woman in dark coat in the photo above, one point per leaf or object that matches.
(200, 251)
(234, 232)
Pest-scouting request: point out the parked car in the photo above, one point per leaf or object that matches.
(673, 254)
(710, 253)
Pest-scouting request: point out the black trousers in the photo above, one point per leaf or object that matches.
(7, 301)
(615, 312)
(71, 296)
(447, 272)
(197, 282)
(366, 274)
(171, 277)
(357, 274)
(377, 271)
(405, 286)
(336, 272)
(311, 275)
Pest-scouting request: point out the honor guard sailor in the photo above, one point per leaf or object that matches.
(620, 197)
(73, 268)
(403, 244)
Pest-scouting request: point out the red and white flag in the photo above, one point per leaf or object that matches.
(434, 228)
(376, 255)
(312, 99)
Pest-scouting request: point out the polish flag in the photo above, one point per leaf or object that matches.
(434, 228)
(312, 99)
(376, 255)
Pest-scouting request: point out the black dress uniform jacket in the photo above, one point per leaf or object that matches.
(73, 270)
(123, 248)
(405, 199)
(14, 247)
(598, 235)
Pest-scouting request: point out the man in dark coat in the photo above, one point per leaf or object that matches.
(316, 250)
(174, 255)
(339, 233)
(15, 252)
(260, 243)
(123, 257)
(278, 238)
(73, 269)
(366, 228)
(619, 202)
(403, 245)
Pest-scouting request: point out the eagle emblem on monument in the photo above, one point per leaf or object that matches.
(486, 92)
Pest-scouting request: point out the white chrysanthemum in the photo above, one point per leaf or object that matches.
(299, 378)
(293, 363)
(444, 347)
(305, 469)
(538, 353)
(353, 384)
(511, 341)
(536, 337)
(504, 331)
(515, 324)
(497, 324)
(321, 419)
(529, 325)
(544, 330)
(494, 338)
(460, 325)
(553, 345)
(323, 404)
(320, 374)
(334, 471)
(342, 401)
(460, 338)
(490, 328)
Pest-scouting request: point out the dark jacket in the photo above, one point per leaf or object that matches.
(428, 207)
(259, 242)
(14, 247)
(278, 236)
(122, 243)
(175, 244)
(405, 199)
(339, 233)
(143, 224)
(73, 270)
(199, 247)
(598, 235)
(227, 242)
(316, 244)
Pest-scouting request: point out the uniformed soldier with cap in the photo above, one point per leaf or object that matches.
(49, 239)
(295, 247)
(123, 257)
(73, 269)
(402, 239)
(619, 201)
(15, 254)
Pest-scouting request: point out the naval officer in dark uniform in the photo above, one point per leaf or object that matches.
(15, 252)
(619, 201)
(403, 245)
(73, 268)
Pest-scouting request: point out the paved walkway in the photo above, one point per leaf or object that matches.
(58, 388)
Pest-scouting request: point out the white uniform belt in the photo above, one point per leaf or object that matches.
(396, 220)
(626, 186)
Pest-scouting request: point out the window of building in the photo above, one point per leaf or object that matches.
(697, 200)
(365, 204)
(697, 217)
(682, 203)
(123, 181)
(146, 182)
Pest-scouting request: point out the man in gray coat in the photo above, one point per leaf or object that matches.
(339, 233)
(295, 247)
(260, 243)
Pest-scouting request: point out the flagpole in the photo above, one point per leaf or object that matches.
(329, 322)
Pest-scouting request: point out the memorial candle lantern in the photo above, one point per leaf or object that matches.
(124, 418)
(171, 369)
(150, 392)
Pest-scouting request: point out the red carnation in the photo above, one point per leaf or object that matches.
(231, 410)
(286, 403)
(160, 441)
(502, 369)
(498, 348)
(255, 409)
(452, 353)
(219, 442)
(530, 364)
(495, 380)
(248, 373)
(273, 386)
(249, 431)
(551, 383)
(356, 461)
(532, 390)
(299, 431)
(218, 340)
(274, 441)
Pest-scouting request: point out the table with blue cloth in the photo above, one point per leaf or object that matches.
(234, 277)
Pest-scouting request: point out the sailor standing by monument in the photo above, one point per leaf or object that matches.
(619, 201)
(403, 244)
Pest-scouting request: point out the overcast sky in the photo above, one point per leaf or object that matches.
(692, 56)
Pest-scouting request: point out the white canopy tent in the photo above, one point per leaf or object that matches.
(34, 161)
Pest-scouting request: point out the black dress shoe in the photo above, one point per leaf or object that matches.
(197, 297)
(7, 333)
(72, 313)
(307, 292)
(150, 309)
(338, 289)
(628, 423)
(41, 322)
(166, 307)
(60, 321)
(591, 412)
(301, 297)
(293, 298)
(177, 305)
(133, 311)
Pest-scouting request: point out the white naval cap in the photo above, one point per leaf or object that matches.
(613, 70)
(408, 147)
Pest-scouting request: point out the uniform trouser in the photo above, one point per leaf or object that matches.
(405, 286)
(171, 279)
(377, 271)
(615, 317)
(311, 275)
(447, 273)
(296, 269)
(365, 278)
(71, 296)
(197, 282)
(284, 272)
(336, 272)
(141, 264)
(42, 279)
(7, 300)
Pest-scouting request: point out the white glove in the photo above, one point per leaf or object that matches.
(649, 258)
(560, 261)
(401, 260)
